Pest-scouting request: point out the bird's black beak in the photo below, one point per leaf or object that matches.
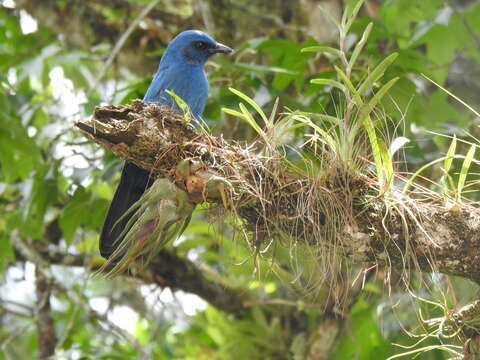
(220, 48)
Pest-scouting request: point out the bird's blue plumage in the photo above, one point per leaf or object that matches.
(181, 70)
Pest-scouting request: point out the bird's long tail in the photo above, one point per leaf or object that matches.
(133, 183)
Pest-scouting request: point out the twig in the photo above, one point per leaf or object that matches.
(121, 41)
(10, 338)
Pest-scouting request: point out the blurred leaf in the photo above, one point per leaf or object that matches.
(74, 213)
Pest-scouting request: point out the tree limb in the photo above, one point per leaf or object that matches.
(270, 197)
(45, 325)
(167, 270)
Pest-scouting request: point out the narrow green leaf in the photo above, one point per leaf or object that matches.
(464, 172)
(368, 108)
(387, 163)
(328, 82)
(377, 73)
(352, 16)
(350, 86)
(273, 113)
(325, 136)
(233, 112)
(449, 156)
(426, 166)
(377, 156)
(359, 47)
(344, 18)
(253, 104)
(182, 105)
(322, 49)
(249, 118)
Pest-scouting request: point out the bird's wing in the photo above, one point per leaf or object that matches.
(161, 82)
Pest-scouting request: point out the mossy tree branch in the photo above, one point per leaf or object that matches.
(389, 229)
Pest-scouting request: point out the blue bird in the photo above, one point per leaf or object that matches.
(181, 71)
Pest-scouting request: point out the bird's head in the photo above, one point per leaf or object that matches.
(194, 47)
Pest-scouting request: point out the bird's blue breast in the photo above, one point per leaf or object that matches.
(188, 81)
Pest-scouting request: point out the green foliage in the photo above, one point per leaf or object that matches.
(364, 339)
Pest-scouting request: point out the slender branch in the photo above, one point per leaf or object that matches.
(45, 325)
(167, 270)
(121, 41)
(177, 273)
(43, 288)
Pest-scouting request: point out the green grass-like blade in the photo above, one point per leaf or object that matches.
(426, 166)
(464, 172)
(447, 164)
(351, 17)
(350, 86)
(368, 108)
(232, 112)
(328, 82)
(387, 163)
(182, 105)
(377, 156)
(359, 47)
(377, 73)
(253, 104)
(245, 115)
(322, 49)
(249, 118)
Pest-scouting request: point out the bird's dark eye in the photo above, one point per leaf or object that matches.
(200, 45)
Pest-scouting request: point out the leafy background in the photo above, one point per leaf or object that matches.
(55, 187)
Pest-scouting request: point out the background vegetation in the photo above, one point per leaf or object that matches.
(60, 59)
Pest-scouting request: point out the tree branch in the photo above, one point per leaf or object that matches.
(337, 207)
(45, 325)
(167, 270)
